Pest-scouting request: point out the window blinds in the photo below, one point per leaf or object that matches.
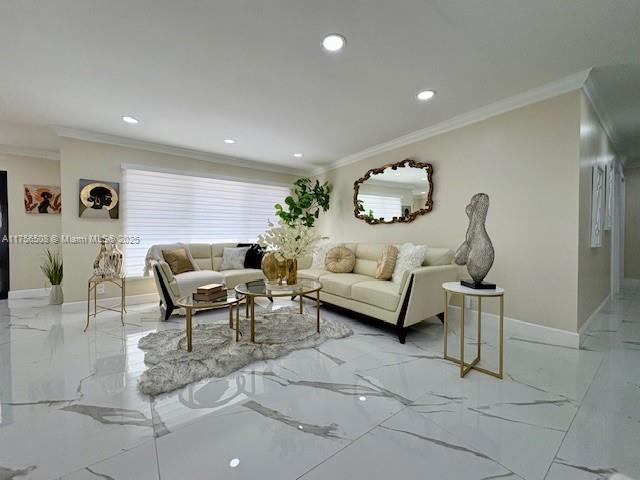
(161, 207)
(382, 207)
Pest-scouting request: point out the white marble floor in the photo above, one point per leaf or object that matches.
(361, 407)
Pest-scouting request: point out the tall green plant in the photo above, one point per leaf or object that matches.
(305, 203)
(52, 267)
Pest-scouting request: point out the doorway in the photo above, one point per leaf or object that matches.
(4, 234)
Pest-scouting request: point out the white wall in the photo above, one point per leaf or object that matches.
(594, 264)
(527, 161)
(632, 224)
(25, 259)
(96, 161)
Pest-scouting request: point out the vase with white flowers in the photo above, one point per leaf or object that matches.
(285, 243)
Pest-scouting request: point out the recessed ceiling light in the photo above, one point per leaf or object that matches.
(229, 140)
(129, 119)
(234, 462)
(426, 95)
(363, 398)
(298, 155)
(334, 42)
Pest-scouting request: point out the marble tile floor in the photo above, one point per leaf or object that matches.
(361, 407)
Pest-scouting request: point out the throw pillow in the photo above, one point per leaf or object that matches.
(254, 255)
(410, 257)
(233, 258)
(320, 253)
(387, 263)
(340, 260)
(178, 260)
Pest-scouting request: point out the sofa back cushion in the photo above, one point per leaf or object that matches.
(438, 256)
(367, 256)
(201, 253)
(217, 249)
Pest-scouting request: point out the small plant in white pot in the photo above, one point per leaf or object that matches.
(52, 269)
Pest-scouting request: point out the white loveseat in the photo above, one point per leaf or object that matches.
(417, 297)
(207, 259)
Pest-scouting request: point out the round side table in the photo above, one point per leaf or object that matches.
(454, 288)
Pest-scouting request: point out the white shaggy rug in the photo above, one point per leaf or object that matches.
(216, 353)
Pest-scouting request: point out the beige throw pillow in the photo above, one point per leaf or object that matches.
(178, 260)
(340, 260)
(387, 263)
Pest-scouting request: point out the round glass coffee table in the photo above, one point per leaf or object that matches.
(253, 290)
(191, 305)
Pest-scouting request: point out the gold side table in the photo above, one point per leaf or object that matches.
(92, 286)
(454, 288)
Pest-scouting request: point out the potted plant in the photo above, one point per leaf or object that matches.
(305, 203)
(52, 269)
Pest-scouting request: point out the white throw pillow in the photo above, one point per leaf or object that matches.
(320, 253)
(410, 257)
(233, 258)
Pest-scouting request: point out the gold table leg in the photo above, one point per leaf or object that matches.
(231, 315)
(466, 367)
(301, 296)
(253, 319)
(237, 321)
(122, 296)
(318, 310)
(189, 331)
(88, 305)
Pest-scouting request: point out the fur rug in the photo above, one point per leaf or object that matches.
(216, 353)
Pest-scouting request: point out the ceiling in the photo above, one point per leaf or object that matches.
(196, 72)
(616, 93)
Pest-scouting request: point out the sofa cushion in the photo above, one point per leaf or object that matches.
(340, 283)
(201, 254)
(438, 256)
(178, 260)
(387, 263)
(238, 276)
(367, 256)
(378, 293)
(311, 273)
(188, 282)
(253, 259)
(233, 258)
(340, 260)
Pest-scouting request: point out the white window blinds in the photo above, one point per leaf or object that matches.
(382, 207)
(161, 207)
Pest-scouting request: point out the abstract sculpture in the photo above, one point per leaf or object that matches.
(476, 252)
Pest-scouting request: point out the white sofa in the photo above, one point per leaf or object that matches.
(417, 297)
(207, 258)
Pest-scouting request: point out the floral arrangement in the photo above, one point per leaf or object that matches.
(289, 240)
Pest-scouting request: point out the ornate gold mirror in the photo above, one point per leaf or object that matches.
(394, 193)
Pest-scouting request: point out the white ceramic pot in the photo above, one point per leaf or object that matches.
(56, 296)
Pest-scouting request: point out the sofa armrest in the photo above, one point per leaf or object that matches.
(426, 298)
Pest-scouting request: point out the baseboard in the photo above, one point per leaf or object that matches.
(29, 293)
(521, 329)
(586, 326)
(631, 282)
(130, 300)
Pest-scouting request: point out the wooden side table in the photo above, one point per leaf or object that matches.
(454, 288)
(92, 286)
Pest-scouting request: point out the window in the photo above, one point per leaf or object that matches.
(162, 207)
(382, 207)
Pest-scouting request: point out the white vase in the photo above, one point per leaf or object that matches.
(56, 296)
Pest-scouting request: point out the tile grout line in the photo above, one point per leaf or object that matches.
(351, 442)
(573, 419)
(155, 438)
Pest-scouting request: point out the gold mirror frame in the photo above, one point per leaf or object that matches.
(394, 166)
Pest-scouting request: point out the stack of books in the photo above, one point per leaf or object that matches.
(214, 292)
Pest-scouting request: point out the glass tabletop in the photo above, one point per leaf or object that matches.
(260, 288)
(188, 301)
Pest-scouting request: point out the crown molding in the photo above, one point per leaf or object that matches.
(97, 137)
(549, 90)
(30, 152)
